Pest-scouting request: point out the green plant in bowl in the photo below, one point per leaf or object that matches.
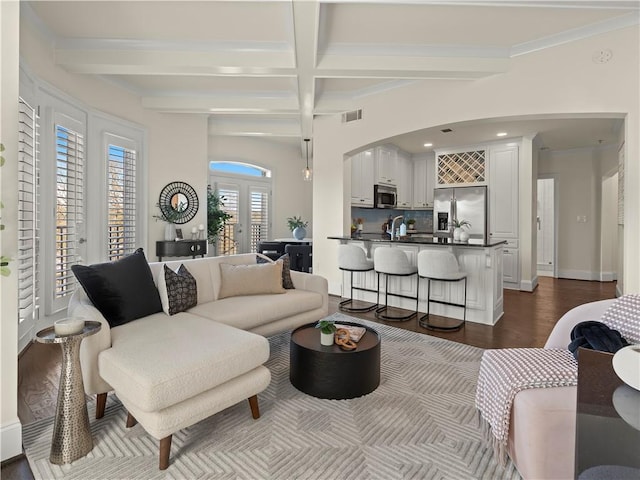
(461, 224)
(295, 222)
(326, 326)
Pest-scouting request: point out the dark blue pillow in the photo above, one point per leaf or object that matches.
(122, 290)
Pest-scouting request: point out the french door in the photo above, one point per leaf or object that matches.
(248, 201)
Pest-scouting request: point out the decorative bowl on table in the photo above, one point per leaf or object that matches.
(68, 326)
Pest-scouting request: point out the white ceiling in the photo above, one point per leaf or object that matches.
(267, 67)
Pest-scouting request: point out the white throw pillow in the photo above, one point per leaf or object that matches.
(252, 279)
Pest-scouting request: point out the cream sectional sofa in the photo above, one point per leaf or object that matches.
(173, 371)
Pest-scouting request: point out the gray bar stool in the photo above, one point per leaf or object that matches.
(441, 266)
(352, 258)
(390, 262)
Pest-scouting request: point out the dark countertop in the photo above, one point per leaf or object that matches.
(384, 238)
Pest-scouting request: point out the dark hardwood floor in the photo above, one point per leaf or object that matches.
(527, 321)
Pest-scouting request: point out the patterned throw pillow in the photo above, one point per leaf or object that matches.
(286, 269)
(178, 290)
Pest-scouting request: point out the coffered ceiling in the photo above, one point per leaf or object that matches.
(265, 68)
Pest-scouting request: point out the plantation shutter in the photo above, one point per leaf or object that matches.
(121, 200)
(259, 216)
(28, 226)
(70, 158)
(230, 197)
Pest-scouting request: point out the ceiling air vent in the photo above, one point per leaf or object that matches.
(446, 130)
(352, 116)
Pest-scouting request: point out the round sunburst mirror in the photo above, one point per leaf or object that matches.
(178, 202)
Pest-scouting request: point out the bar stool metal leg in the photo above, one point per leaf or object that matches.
(381, 311)
(424, 322)
(347, 304)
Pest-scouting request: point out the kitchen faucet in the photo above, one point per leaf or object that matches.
(393, 227)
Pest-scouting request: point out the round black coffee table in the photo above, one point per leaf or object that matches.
(330, 372)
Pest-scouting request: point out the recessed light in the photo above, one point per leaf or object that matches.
(501, 134)
(428, 144)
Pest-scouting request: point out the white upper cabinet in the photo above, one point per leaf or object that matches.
(423, 182)
(386, 165)
(362, 178)
(503, 192)
(405, 180)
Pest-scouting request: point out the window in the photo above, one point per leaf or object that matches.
(259, 216)
(121, 184)
(245, 191)
(28, 180)
(69, 194)
(227, 242)
(238, 168)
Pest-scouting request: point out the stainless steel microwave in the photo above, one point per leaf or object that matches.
(385, 196)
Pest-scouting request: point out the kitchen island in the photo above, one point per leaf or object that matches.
(482, 261)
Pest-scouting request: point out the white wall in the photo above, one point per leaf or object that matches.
(609, 229)
(561, 80)
(291, 194)
(10, 427)
(177, 144)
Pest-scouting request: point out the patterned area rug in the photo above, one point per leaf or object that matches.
(419, 424)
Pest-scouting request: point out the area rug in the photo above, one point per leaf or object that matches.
(420, 423)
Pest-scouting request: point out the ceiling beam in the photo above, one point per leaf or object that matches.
(306, 18)
(171, 62)
(254, 127)
(222, 104)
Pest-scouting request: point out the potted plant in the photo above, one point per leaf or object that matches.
(459, 235)
(411, 223)
(327, 331)
(216, 216)
(297, 227)
(171, 217)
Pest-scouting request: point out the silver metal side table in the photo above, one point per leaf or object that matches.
(71, 434)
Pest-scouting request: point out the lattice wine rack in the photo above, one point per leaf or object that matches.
(461, 167)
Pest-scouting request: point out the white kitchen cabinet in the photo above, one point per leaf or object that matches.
(510, 270)
(503, 192)
(362, 178)
(423, 182)
(386, 165)
(405, 181)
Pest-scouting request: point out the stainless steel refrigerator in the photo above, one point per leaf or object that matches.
(460, 203)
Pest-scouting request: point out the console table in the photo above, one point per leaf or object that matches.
(181, 248)
(607, 447)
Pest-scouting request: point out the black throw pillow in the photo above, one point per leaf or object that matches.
(122, 290)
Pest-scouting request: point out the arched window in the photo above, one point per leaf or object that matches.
(238, 168)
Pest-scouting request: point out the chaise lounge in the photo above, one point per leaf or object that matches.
(171, 371)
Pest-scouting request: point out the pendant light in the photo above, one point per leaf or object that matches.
(307, 171)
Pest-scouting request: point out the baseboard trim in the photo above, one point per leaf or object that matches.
(618, 291)
(529, 286)
(579, 275)
(11, 440)
(608, 276)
